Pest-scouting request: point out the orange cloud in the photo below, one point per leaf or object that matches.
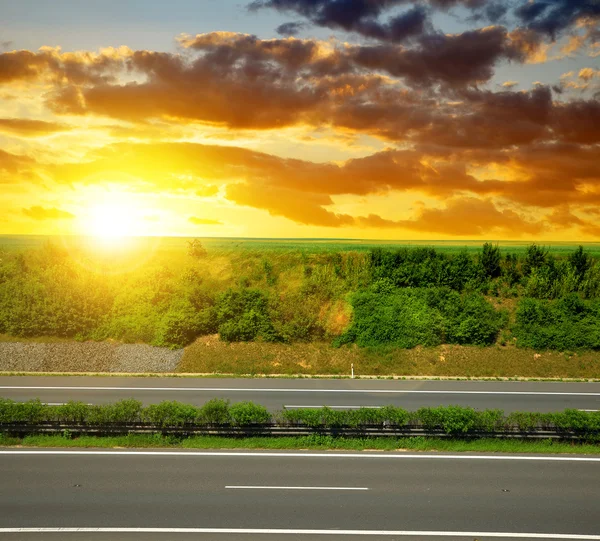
(31, 128)
(41, 213)
(467, 217)
(203, 221)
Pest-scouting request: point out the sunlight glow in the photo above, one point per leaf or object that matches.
(112, 221)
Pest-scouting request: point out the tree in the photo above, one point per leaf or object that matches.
(580, 261)
(490, 260)
(534, 258)
(195, 249)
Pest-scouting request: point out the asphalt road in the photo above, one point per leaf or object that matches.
(278, 393)
(218, 494)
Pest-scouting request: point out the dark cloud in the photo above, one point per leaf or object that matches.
(41, 213)
(577, 122)
(359, 16)
(240, 81)
(454, 60)
(486, 119)
(552, 17)
(343, 14)
(290, 29)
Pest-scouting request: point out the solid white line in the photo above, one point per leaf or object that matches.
(293, 488)
(589, 410)
(267, 531)
(288, 390)
(299, 455)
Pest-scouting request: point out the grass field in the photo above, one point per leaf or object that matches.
(315, 442)
(209, 355)
(171, 245)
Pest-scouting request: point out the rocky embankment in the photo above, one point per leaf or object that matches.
(86, 357)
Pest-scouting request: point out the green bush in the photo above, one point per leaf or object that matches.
(168, 414)
(568, 323)
(182, 324)
(243, 315)
(524, 421)
(32, 411)
(402, 318)
(248, 413)
(409, 317)
(215, 412)
(453, 420)
(72, 412)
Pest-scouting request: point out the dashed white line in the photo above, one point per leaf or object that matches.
(266, 487)
(334, 407)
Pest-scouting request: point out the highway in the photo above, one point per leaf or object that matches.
(282, 495)
(295, 393)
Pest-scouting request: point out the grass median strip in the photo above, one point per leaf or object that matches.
(312, 442)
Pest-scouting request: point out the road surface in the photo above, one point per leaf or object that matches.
(294, 393)
(229, 495)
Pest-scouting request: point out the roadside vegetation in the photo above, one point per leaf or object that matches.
(455, 421)
(371, 303)
(313, 442)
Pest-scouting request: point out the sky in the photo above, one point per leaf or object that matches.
(373, 119)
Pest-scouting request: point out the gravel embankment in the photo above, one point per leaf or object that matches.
(86, 357)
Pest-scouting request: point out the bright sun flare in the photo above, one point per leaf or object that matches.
(111, 221)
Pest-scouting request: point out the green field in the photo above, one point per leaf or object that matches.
(170, 245)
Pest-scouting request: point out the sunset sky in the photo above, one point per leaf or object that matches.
(375, 119)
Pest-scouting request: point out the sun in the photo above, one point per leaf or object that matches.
(111, 221)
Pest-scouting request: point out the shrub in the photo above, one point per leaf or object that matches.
(182, 324)
(568, 323)
(248, 413)
(167, 414)
(402, 319)
(524, 421)
(490, 260)
(215, 412)
(32, 411)
(535, 258)
(410, 317)
(72, 412)
(243, 315)
(451, 419)
(309, 417)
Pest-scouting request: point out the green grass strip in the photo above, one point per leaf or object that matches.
(313, 442)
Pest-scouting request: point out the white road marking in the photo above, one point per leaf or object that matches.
(589, 410)
(289, 390)
(268, 531)
(59, 404)
(300, 455)
(336, 407)
(293, 488)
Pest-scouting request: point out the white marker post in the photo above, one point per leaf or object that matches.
(352, 370)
